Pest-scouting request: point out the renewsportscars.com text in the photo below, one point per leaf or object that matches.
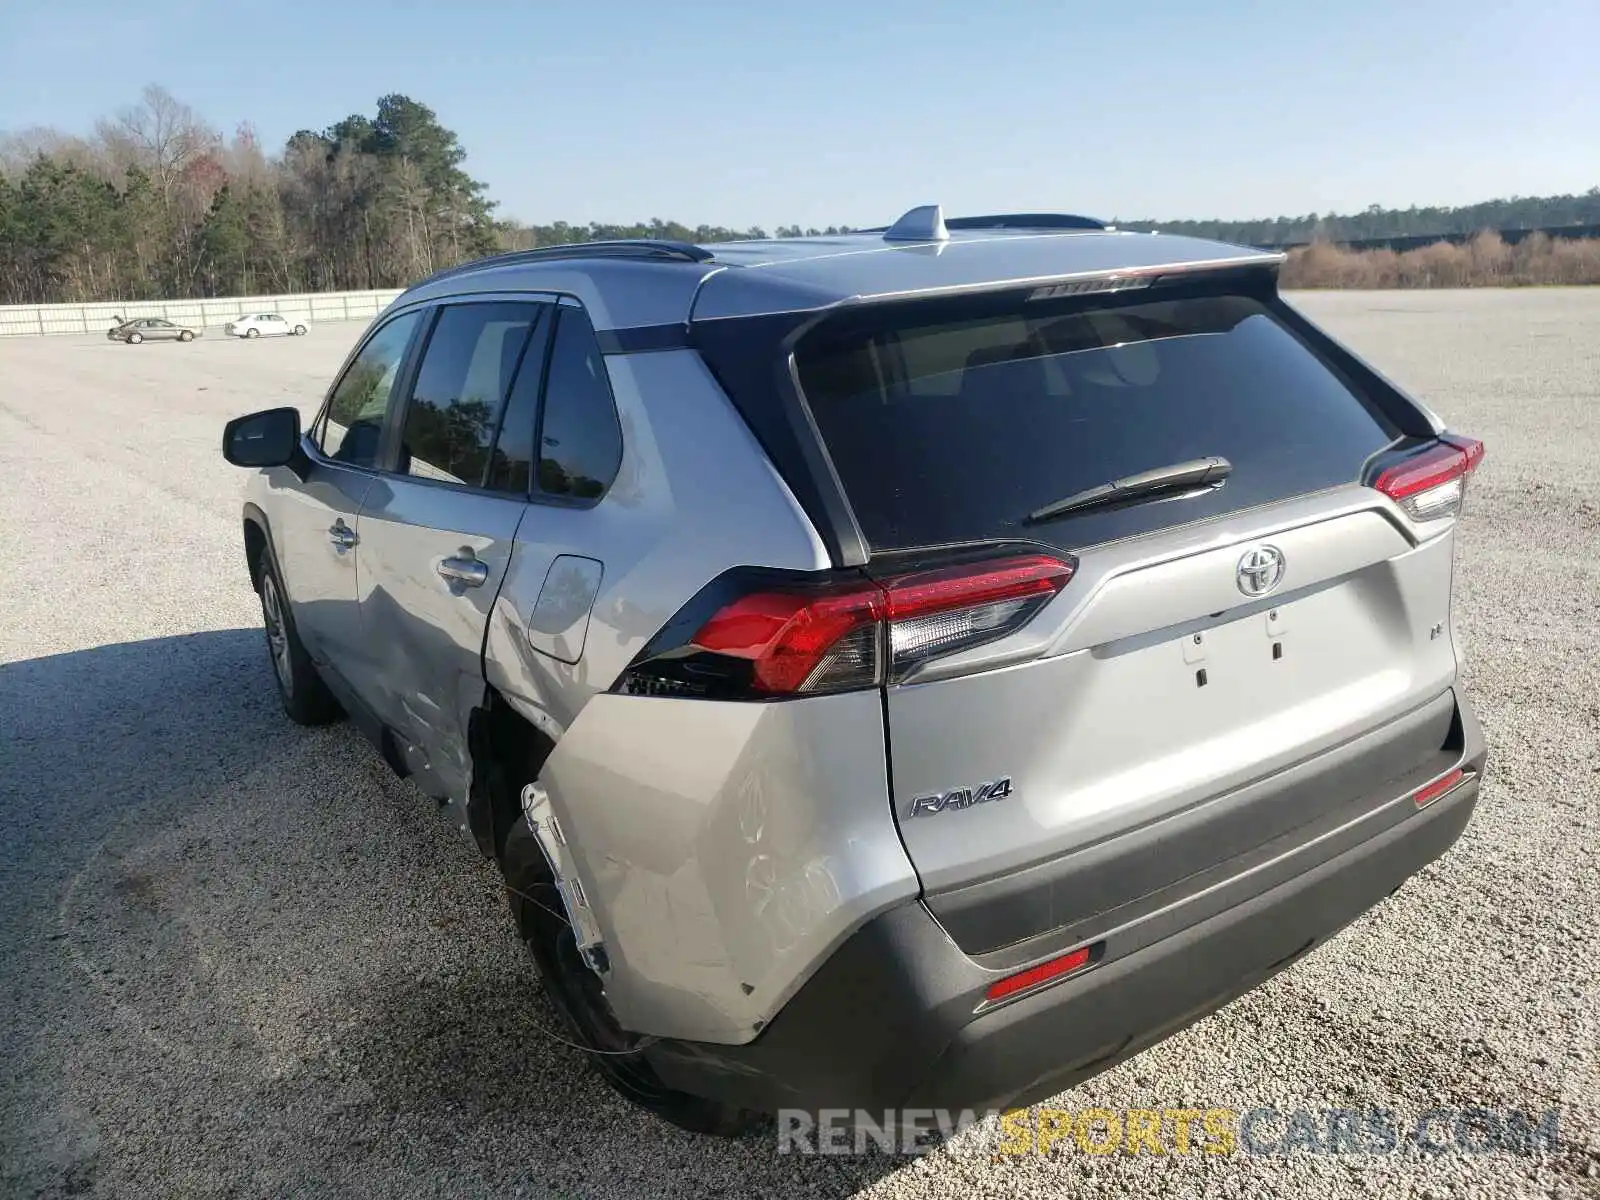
(1261, 1131)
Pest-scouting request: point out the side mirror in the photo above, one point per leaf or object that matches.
(263, 439)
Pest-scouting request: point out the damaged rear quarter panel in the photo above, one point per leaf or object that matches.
(728, 848)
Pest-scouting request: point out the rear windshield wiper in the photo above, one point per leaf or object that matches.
(1159, 481)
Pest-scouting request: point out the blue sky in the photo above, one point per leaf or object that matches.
(829, 111)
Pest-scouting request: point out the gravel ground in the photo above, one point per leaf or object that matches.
(237, 957)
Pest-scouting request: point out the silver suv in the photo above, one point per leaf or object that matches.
(921, 667)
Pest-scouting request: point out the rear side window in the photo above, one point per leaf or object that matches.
(580, 441)
(353, 425)
(953, 431)
(467, 370)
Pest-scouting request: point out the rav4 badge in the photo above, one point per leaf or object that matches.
(966, 797)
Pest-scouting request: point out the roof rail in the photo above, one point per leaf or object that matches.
(660, 249)
(1025, 221)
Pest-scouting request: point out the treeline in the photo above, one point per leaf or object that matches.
(157, 204)
(1519, 212)
(1484, 261)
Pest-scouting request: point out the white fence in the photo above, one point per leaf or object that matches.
(23, 319)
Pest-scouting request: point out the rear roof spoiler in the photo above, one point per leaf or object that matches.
(928, 223)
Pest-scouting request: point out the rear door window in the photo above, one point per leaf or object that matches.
(511, 463)
(454, 410)
(953, 430)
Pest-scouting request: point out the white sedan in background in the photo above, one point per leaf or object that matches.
(263, 325)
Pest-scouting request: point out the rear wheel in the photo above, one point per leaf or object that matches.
(305, 697)
(578, 995)
(186, 336)
(299, 330)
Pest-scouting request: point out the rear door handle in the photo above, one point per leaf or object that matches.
(341, 535)
(463, 572)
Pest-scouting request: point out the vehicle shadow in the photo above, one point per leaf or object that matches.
(88, 730)
(258, 957)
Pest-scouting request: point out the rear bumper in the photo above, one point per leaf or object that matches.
(888, 1021)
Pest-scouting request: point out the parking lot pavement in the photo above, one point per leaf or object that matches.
(238, 957)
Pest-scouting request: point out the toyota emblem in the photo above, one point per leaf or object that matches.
(1260, 570)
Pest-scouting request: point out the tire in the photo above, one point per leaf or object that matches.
(578, 996)
(299, 331)
(252, 332)
(306, 699)
(135, 338)
(186, 336)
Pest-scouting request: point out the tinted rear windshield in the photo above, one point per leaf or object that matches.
(954, 430)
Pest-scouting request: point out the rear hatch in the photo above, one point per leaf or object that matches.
(1270, 618)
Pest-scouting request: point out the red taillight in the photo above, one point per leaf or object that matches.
(802, 640)
(1425, 796)
(1022, 981)
(954, 587)
(787, 637)
(939, 612)
(1429, 485)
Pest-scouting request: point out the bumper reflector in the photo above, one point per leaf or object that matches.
(1023, 981)
(1428, 793)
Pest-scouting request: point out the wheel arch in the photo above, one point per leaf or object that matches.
(257, 538)
(508, 750)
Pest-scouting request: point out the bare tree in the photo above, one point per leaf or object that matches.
(160, 135)
(244, 160)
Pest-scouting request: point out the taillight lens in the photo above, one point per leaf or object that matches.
(934, 613)
(798, 640)
(1431, 483)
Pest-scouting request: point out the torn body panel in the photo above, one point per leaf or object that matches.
(727, 848)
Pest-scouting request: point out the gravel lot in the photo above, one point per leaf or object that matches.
(237, 957)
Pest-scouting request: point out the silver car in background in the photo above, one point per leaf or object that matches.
(151, 329)
(914, 668)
